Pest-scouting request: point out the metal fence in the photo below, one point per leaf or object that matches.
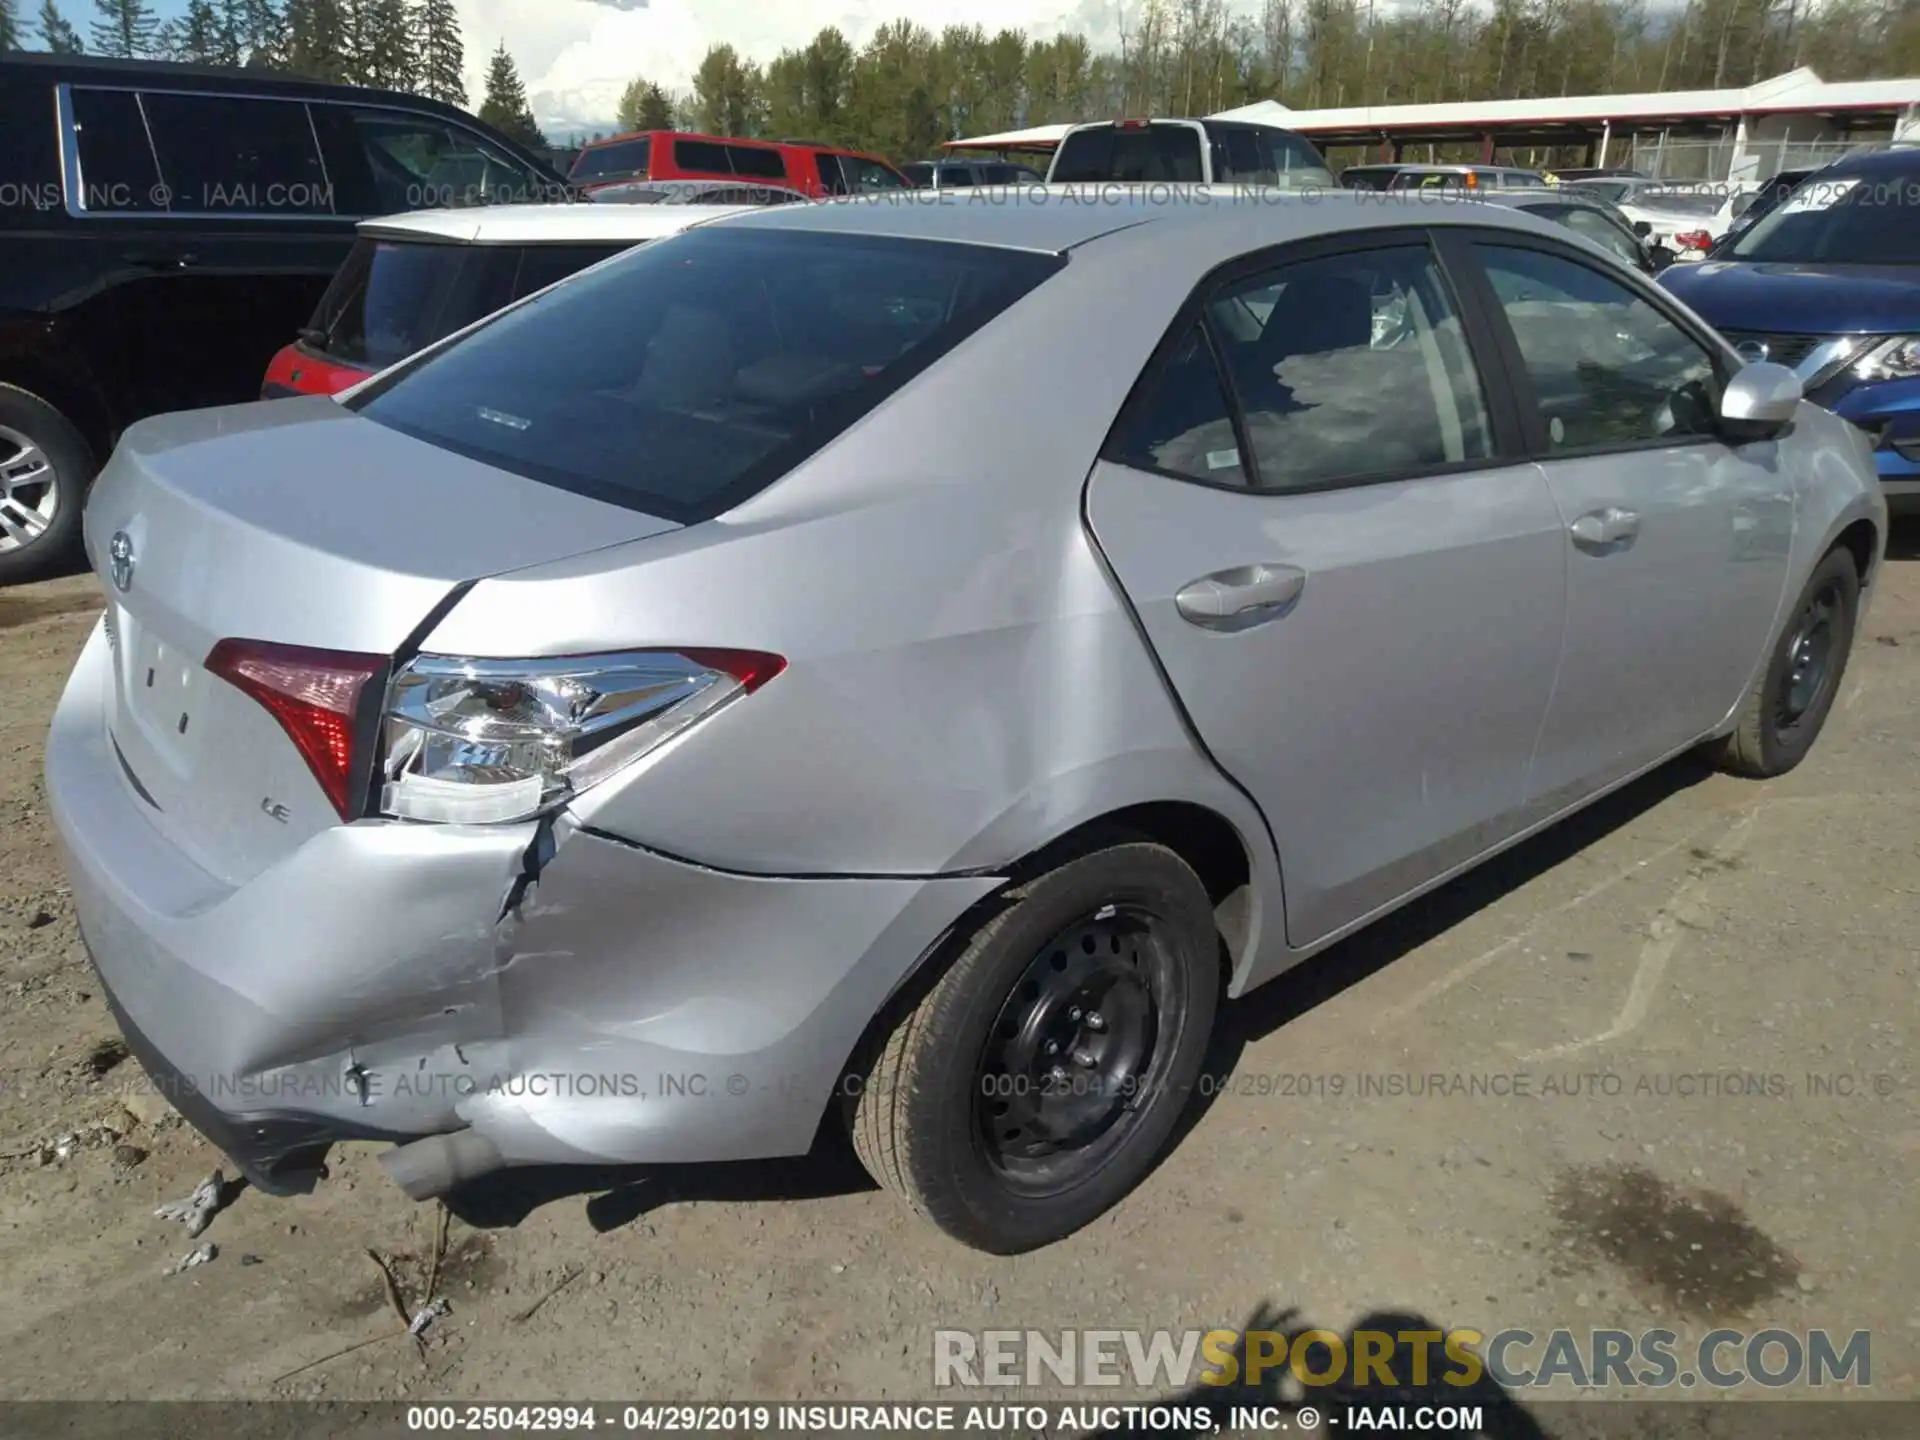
(1667, 159)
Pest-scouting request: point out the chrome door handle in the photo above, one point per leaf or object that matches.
(1237, 598)
(1601, 528)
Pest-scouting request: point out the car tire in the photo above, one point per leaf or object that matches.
(68, 468)
(1782, 714)
(1005, 1144)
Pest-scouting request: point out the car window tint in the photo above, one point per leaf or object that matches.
(831, 179)
(1350, 366)
(1238, 156)
(919, 174)
(705, 157)
(865, 176)
(954, 177)
(28, 122)
(544, 265)
(1131, 155)
(1183, 424)
(117, 169)
(763, 163)
(624, 160)
(219, 154)
(394, 297)
(723, 357)
(1608, 369)
(420, 162)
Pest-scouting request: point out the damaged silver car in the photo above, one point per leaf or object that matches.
(879, 663)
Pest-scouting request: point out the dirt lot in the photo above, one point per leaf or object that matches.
(1693, 926)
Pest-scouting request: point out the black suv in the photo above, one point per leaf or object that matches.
(164, 228)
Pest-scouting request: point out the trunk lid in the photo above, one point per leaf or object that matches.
(297, 523)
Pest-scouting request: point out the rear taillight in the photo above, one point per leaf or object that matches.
(475, 741)
(314, 694)
(1693, 240)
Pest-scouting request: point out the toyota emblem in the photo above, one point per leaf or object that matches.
(120, 561)
(1753, 352)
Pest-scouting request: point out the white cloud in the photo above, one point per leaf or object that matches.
(576, 56)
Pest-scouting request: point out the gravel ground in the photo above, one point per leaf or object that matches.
(1692, 926)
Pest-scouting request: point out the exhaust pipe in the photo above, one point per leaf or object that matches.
(429, 1168)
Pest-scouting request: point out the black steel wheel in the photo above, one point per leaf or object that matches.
(1784, 710)
(1072, 1052)
(1037, 1081)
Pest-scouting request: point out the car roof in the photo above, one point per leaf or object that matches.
(1898, 160)
(1219, 220)
(548, 224)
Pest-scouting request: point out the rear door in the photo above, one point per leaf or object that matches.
(1676, 542)
(1319, 505)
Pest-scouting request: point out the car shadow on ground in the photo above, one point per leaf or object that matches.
(1903, 538)
(1344, 965)
(1415, 1351)
(620, 1195)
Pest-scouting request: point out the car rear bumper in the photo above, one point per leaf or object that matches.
(571, 997)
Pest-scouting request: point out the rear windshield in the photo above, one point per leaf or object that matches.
(622, 161)
(1143, 153)
(393, 297)
(686, 377)
(1680, 202)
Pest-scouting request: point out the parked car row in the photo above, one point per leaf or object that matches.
(166, 229)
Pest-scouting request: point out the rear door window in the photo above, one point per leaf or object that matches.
(117, 168)
(220, 155)
(29, 132)
(723, 357)
(1131, 154)
(761, 162)
(624, 160)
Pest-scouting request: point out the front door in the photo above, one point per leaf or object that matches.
(1351, 575)
(1676, 542)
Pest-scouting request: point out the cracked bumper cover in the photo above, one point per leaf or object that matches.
(627, 1007)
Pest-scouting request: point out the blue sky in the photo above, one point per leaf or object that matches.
(576, 56)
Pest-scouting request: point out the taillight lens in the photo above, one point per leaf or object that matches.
(314, 694)
(475, 741)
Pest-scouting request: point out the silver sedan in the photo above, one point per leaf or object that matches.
(909, 663)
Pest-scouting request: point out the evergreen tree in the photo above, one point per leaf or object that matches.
(9, 27)
(645, 106)
(126, 29)
(260, 34)
(384, 48)
(56, 34)
(728, 93)
(317, 40)
(439, 55)
(196, 37)
(505, 106)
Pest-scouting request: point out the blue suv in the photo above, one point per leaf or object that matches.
(1828, 282)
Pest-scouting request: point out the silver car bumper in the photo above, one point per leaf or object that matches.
(394, 981)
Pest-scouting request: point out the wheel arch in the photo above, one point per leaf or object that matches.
(43, 366)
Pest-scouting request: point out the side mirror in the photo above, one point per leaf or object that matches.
(1642, 228)
(1759, 401)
